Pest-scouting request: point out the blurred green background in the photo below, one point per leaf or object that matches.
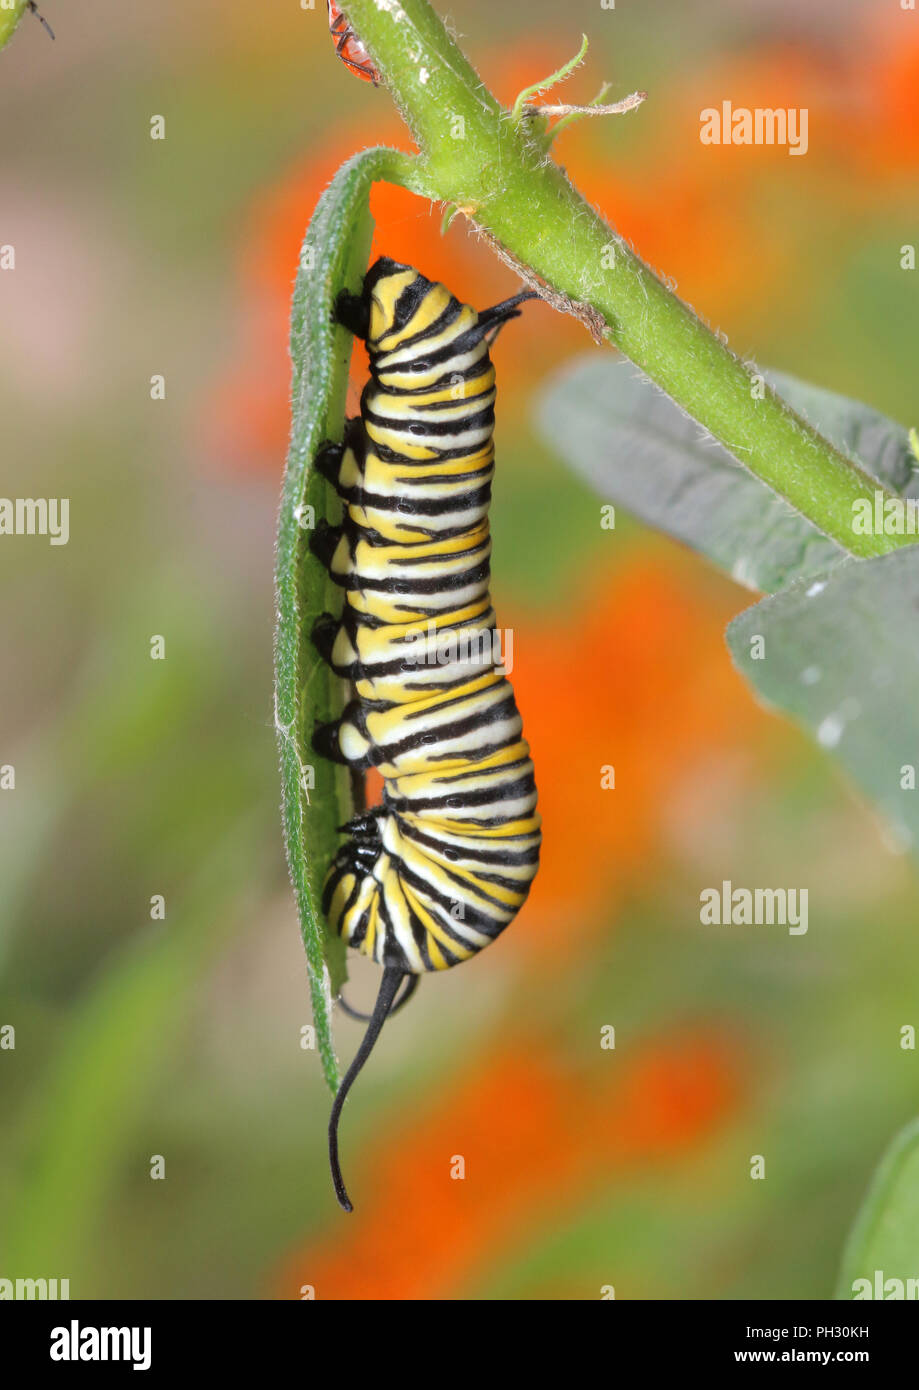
(585, 1167)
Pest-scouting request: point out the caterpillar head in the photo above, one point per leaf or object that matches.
(398, 304)
(402, 304)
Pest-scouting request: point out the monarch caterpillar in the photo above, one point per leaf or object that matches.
(349, 47)
(442, 866)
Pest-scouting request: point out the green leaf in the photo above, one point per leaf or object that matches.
(838, 652)
(9, 18)
(885, 1236)
(638, 449)
(333, 257)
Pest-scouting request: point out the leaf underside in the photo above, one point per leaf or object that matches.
(638, 449)
(316, 793)
(838, 651)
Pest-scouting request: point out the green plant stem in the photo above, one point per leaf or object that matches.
(475, 155)
(552, 81)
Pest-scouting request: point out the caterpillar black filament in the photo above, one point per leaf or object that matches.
(442, 866)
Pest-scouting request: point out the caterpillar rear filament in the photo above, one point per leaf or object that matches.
(440, 868)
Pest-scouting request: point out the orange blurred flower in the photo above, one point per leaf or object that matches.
(533, 1135)
(892, 80)
(638, 679)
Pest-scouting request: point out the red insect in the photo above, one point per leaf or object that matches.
(349, 47)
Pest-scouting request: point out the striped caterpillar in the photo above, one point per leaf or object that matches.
(443, 865)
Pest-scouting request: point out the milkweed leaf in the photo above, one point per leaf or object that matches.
(883, 1247)
(316, 794)
(639, 450)
(838, 652)
(10, 15)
